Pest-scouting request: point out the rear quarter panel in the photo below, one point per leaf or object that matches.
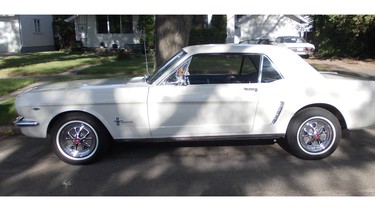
(353, 98)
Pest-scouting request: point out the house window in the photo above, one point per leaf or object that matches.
(37, 26)
(127, 24)
(102, 24)
(114, 24)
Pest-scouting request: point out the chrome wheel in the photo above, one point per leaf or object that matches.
(313, 133)
(77, 140)
(316, 135)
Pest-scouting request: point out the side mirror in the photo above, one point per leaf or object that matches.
(183, 81)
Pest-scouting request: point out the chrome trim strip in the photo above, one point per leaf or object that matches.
(21, 122)
(260, 137)
(281, 106)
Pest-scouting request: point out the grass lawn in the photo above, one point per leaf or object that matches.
(59, 63)
(27, 59)
(131, 66)
(7, 112)
(8, 85)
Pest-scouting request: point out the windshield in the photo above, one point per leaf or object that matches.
(172, 61)
(294, 40)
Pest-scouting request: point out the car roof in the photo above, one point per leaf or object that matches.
(232, 48)
(291, 65)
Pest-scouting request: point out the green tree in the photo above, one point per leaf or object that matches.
(147, 23)
(199, 22)
(219, 28)
(64, 32)
(215, 33)
(344, 35)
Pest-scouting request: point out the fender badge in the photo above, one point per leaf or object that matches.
(118, 121)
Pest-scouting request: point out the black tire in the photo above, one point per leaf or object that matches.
(313, 133)
(79, 139)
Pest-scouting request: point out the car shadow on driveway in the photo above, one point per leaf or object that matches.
(214, 168)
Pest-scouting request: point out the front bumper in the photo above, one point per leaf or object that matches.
(22, 122)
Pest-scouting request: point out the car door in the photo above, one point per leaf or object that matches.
(217, 98)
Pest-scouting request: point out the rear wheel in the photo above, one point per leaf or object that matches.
(313, 133)
(78, 139)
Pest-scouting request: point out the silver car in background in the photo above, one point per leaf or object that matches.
(296, 44)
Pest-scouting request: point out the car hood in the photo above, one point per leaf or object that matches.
(82, 92)
(89, 84)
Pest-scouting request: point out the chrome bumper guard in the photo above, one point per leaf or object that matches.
(20, 122)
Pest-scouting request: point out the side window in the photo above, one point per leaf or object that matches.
(250, 68)
(223, 68)
(215, 69)
(269, 73)
(211, 64)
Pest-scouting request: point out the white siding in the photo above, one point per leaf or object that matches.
(9, 34)
(268, 26)
(260, 26)
(36, 39)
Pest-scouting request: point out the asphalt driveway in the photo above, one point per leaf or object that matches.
(229, 168)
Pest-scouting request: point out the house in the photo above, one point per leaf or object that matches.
(246, 27)
(105, 30)
(26, 33)
(109, 31)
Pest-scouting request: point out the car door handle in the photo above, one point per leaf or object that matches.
(251, 89)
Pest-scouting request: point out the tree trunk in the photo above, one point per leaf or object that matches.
(171, 34)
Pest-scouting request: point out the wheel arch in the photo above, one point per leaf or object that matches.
(331, 109)
(62, 114)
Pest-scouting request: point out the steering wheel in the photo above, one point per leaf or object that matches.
(231, 79)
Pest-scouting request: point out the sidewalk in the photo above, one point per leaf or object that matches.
(346, 66)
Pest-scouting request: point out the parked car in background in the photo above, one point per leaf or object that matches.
(204, 92)
(264, 41)
(296, 44)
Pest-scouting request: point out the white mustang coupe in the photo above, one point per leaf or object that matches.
(204, 92)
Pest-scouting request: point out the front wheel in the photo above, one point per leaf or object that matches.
(313, 133)
(78, 139)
